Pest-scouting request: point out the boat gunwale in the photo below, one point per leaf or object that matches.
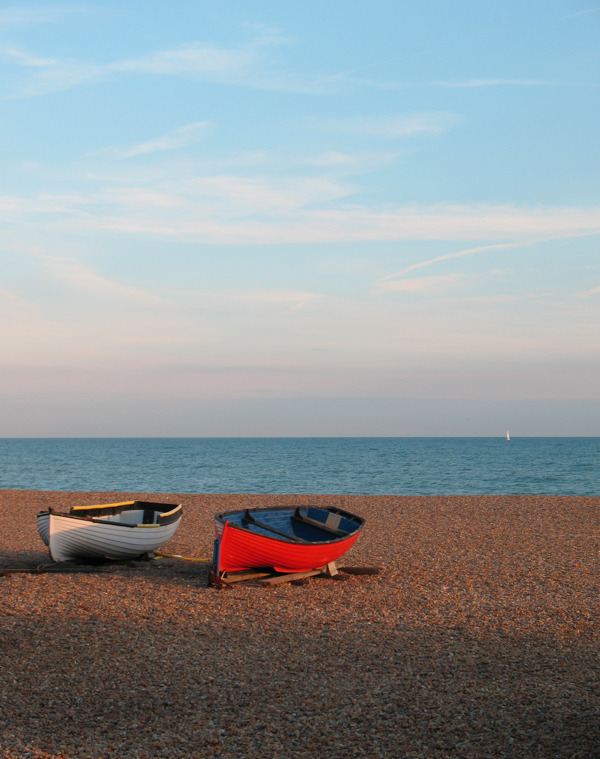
(137, 505)
(123, 504)
(174, 514)
(221, 518)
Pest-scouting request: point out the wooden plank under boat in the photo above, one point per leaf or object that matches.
(108, 531)
(283, 538)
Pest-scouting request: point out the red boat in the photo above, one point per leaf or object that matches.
(284, 538)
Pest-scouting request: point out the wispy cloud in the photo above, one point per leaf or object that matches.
(85, 279)
(450, 84)
(53, 75)
(194, 59)
(14, 305)
(248, 64)
(579, 14)
(11, 18)
(499, 82)
(293, 300)
(174, 140)
(23, 57)
(10, 204)
(393, 127)
(395, 282)
(252, 300)
(592, 292)
(350, 77)
(460, 222)
(390, 278)
(139, 197)
(434, 285)
(245, 65)
(183, 202)
(332, 160)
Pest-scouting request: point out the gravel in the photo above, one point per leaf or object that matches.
(479, 638)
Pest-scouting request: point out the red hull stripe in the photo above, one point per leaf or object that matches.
(242, 549)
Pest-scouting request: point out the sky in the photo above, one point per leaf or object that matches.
(231, 218)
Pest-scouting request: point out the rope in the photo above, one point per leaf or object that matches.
(177, 556)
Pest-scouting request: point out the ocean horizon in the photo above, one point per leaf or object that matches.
(316, 465)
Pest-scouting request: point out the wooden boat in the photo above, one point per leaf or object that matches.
(110, 531)
(284, 538)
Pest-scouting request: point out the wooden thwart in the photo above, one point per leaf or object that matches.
(299, 517)
(249, 519)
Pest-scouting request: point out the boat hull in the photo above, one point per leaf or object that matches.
(240, 548)
(81, 535)
(43, 523)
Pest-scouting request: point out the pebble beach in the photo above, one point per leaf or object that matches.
(478, 638)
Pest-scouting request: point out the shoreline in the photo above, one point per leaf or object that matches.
(478, 639)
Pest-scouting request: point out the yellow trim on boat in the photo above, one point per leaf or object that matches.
(168, 513)
(103, 506)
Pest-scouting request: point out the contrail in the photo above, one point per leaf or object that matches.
(480, 249)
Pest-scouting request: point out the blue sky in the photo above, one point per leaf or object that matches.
(281, 218)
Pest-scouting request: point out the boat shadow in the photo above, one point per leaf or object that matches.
(170, 570)
(162, 570)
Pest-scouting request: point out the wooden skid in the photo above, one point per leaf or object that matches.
(276, 578)
(279, 579)
(246, 574)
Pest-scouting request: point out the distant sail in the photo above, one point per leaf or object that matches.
(507, 435)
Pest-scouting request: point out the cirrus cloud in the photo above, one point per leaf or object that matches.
(176, 139)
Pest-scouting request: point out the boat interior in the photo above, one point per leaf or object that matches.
(307, 525)
(140, 516)
(131, 512)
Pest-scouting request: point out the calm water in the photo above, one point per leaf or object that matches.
(393, 466)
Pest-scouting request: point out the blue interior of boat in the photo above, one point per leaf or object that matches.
(303, 525)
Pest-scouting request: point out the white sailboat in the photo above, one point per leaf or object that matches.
(507, 435)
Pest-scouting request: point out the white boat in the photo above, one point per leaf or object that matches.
(507, 435)
(109, 531)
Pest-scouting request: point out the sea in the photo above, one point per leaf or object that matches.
(350, 465)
